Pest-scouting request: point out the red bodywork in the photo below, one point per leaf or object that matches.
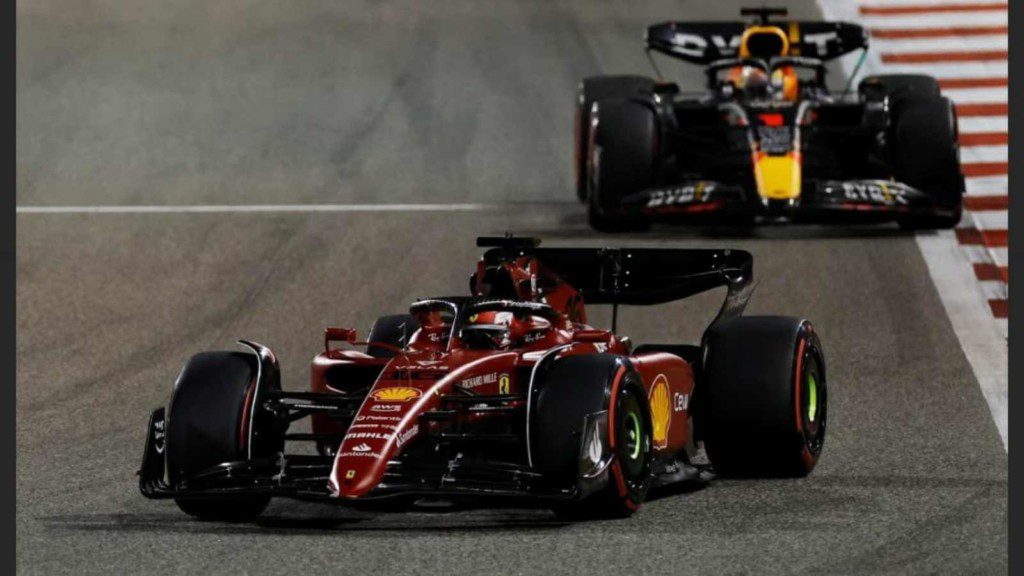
(437, 363)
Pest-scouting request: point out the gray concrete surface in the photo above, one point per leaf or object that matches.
(185, 102)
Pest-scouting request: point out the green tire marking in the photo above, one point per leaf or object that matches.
(812, 397)
(634, 428)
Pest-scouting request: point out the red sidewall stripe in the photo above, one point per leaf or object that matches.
(620, 480)
(797, 378)
(243, 433)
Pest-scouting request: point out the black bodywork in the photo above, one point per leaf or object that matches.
(706, 142)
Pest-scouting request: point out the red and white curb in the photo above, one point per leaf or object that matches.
(964, 44)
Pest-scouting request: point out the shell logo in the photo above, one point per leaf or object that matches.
(396, 394)
(661, 411)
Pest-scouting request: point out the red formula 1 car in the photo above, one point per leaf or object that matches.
(507, 393)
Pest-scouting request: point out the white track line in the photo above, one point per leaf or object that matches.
(984, 124)
(946, 44)
(1000, 256)
(952, 70)
(977, 95)
(987, 185)
(985, 255)
(991, 219)
(259, 208)
(993, 289)
(982, 340)
(984, 153)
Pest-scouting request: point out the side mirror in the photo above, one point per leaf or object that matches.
(338, 335)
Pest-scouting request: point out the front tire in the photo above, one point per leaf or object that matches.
(630, 473)
(923, 143)
(928, 159)
(207, 425)
(764, 409)
(566, 393)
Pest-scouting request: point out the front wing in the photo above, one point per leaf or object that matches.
(304, 477)
(853, 201)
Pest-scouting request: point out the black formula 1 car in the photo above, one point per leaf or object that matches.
(506, 393)
(767, 141)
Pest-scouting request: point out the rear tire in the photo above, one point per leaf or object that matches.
(395, 330)
(566, 392)
(591, 90)
(923, 143)
(207, 422)
(623, 158)
(765, 405)
(928, 158)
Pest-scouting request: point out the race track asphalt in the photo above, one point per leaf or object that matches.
(187, 102)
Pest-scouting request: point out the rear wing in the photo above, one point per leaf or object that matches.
(639, 276)
(705, 42)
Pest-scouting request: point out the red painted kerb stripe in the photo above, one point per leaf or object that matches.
(984, 169)
(952, 83)
(985, 203)
(984, 138)
(987, 109)
(975, 237)
(1000, 308)
(987, 271)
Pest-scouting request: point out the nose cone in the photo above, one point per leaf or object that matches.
(387, 420)
(362, 459)
(778, 177)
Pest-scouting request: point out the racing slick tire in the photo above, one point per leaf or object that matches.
(928, 158)
(764, 407)
(564, 395)
(206, 423)
(395, 330)
(622, 152)
(924, 148)
(593, 89)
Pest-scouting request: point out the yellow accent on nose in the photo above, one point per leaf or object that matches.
(778, 177)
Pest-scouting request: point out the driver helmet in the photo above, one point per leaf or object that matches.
(751, 81)
(488, 330)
